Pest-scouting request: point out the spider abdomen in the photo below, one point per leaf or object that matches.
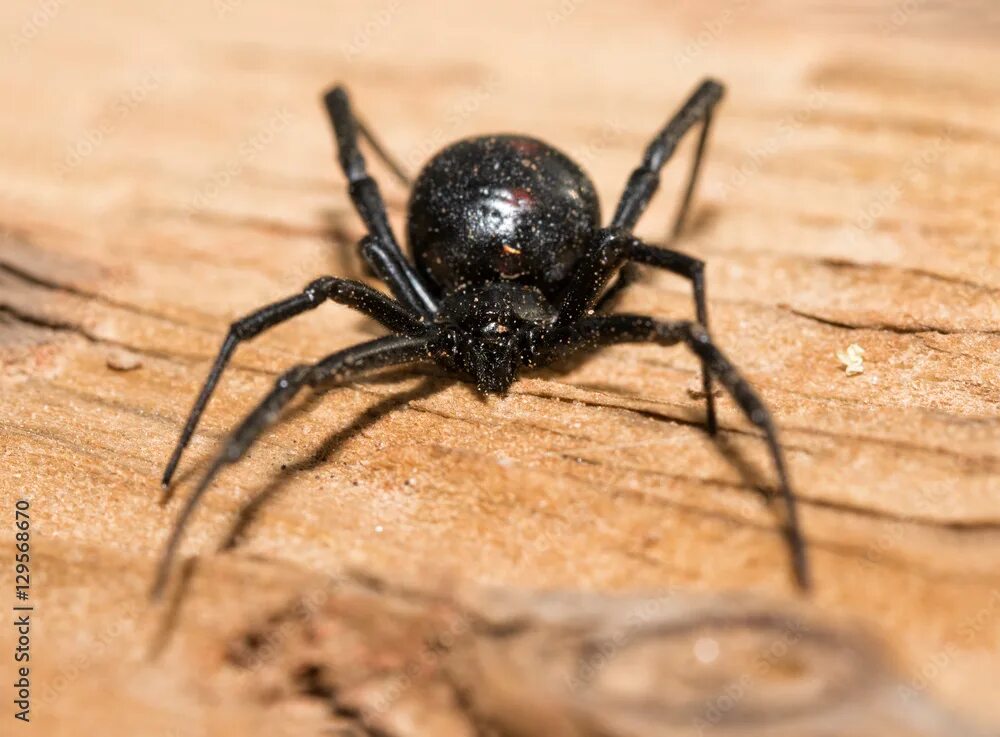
(501, 207)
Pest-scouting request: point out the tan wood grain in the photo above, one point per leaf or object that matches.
(165, 167)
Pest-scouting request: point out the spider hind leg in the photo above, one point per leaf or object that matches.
(379, 353)
(604, 330)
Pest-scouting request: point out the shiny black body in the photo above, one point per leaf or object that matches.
(501, 208)
(511, 270)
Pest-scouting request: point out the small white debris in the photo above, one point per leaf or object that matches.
(853, 359)
(121, 359)
(378, 528)
(706, 650)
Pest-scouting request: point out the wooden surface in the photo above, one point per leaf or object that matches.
(165, 167)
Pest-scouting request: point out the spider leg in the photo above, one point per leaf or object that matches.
(391, 265)
(614, 251)
(378, 353)
(351, 293)
(383, 153)
(603, 330)
(645, 179)
(627, 276)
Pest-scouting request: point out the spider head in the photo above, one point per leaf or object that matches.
(486, 332)
(489, 356)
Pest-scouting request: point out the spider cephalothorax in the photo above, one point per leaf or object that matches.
(511, 271)
(489, 332)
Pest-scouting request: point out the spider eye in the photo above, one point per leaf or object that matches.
(495, 328)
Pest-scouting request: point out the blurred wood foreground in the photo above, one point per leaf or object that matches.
(165, 167)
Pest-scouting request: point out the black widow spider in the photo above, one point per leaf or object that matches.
(511, 270)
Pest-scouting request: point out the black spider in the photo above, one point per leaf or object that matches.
(511, 271)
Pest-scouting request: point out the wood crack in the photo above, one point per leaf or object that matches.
(884, 326)
(46, 283)
(846, 264)
(64, 326)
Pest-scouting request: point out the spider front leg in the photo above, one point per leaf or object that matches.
(645, 179)
(344, 291)
(592, 332)
(390, 265)
(379, 353)
(614, 251)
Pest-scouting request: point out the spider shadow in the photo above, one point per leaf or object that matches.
(345, 261)
(172, 613)
(249, 512)
(751, 474)
(252, 509)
